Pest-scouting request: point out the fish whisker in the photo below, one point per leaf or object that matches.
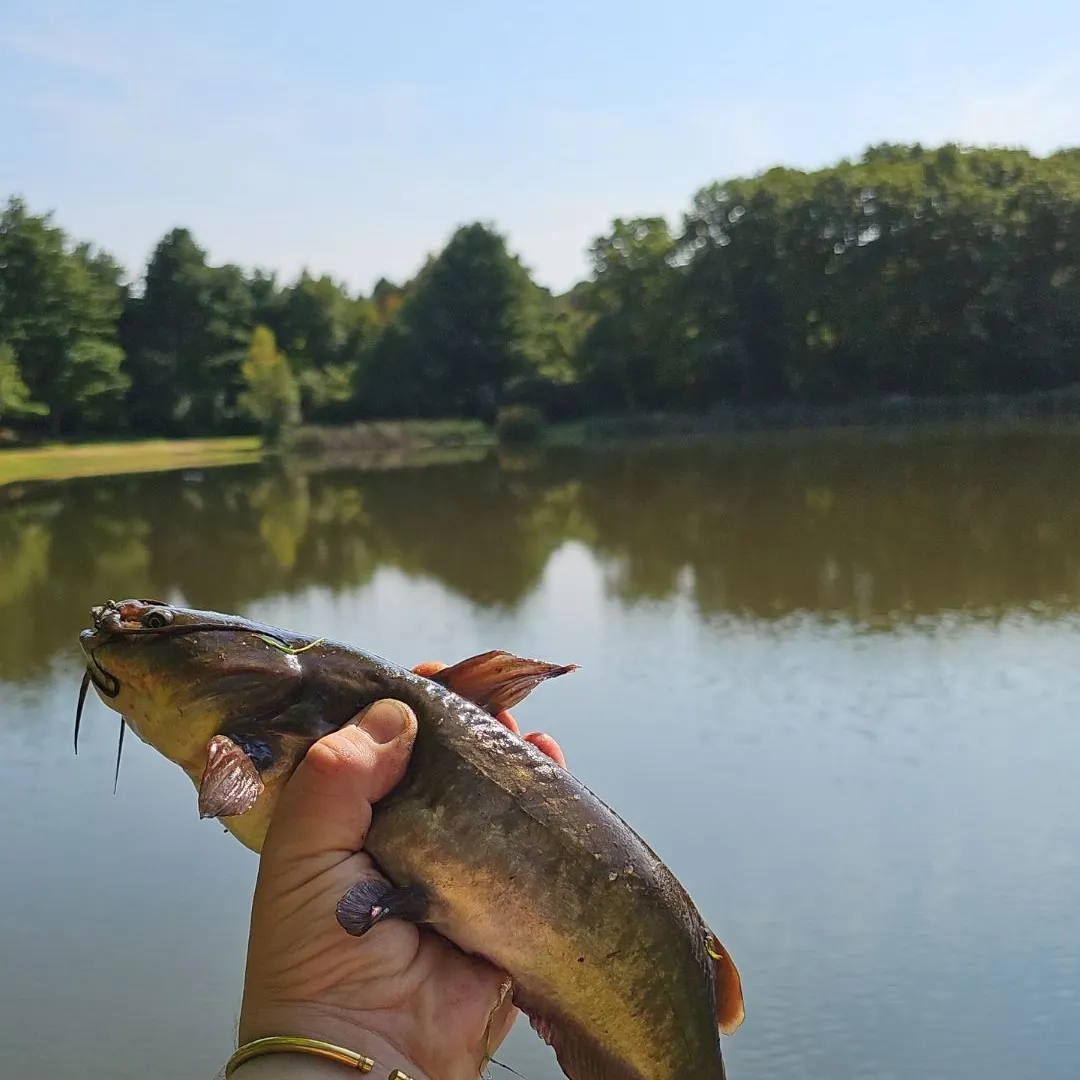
(119, 754)
(79, 708)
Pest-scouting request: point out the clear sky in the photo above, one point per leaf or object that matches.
(352, 137)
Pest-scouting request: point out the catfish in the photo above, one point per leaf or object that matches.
(486, 839)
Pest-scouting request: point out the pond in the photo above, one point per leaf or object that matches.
(832, 681)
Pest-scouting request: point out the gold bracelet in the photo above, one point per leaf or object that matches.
(286, 1044)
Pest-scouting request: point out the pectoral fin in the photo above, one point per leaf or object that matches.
(498, 680)
(251, 754)
(230, 784)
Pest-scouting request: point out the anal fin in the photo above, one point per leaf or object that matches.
(498, 680)
(580, 1057)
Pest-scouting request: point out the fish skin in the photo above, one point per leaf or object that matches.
(519, 861)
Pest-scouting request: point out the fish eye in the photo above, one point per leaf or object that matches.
(156, 619)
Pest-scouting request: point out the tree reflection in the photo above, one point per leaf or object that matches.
(870, 531)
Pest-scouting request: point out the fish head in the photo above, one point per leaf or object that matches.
(180, 676)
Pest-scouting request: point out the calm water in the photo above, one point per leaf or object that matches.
(835, 684)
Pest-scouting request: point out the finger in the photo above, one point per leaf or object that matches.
(429, 668)
(325, 808)
(548, 745)
(505, 718)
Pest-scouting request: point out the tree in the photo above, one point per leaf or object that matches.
(271, 396)
(58, 312)
(471, 323)
(14, 393)
(325, 333)
(387, 299)
(185, 339)
(632, 354)
(913, 271)
(908, 271)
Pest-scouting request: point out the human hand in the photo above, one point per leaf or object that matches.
(401, 994)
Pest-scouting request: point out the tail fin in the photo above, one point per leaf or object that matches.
(730, 1006)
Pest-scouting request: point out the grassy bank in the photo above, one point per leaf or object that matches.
(901, 413)
(390, 443)
(397, 443)
(369, 445)
(410, 441)
(60, 461)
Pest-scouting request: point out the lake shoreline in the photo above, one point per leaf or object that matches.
(899, 411)
(414, 443)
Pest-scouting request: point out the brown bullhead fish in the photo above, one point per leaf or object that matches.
(609, 958)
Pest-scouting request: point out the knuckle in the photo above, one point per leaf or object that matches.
(334, 754)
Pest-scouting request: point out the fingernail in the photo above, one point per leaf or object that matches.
(385, 720)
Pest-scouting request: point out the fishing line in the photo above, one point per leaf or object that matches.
(507, 1068)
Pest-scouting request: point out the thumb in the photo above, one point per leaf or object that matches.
(325, 808)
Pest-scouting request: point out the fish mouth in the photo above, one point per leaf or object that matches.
(107, 683)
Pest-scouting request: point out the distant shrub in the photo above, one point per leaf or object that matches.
(519, 424)
(307, 442)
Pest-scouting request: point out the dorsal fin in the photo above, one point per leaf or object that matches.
(498, 680)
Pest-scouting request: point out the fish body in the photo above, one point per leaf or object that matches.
(512, 857)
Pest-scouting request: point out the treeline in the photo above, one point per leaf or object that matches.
(911, 271)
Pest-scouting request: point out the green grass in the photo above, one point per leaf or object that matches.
(61, 462)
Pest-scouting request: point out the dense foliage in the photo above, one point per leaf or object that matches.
(911, 271)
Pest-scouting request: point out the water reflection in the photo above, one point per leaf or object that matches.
(871, 532)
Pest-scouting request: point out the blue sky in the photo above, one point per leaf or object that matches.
(352, 137)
